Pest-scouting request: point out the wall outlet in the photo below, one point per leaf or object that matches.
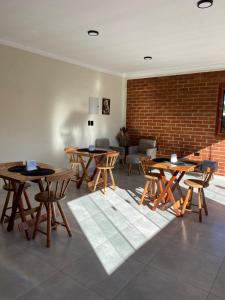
(196, 154)
(90, 123)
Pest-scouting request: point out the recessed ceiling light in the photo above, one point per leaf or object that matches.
(93, 32)
(147, 57)
(204, 3)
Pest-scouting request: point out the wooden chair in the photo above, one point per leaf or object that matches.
(57, 186)
(153, 181)
(9, 188)
(106, 167)
(200, 185)
(74, 162)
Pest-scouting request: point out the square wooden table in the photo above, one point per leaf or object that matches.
(177, 173)
(18, 182)
(86, 157)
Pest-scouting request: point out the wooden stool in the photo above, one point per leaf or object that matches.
(74, 162)
(57, 186)
(200, 185)
(105, 168)
(9, 188)
(154, 180)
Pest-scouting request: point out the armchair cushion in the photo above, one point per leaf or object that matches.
(145, 144)
(102, 143)
(133, 150)
(133, 159)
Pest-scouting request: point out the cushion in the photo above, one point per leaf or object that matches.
(133, 158)
(102, 143)
(145, 144)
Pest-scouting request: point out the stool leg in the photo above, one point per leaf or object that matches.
(38, 215)
(112, 179)
(53, 216)
(97, 179)
(139, 168)
(28, 202)
(129, 169)
(204, 203)
(49, 224)
(186, 200)
(64, 219)
(5, 206)
(144, 192)
(200, 205)
(105, 180)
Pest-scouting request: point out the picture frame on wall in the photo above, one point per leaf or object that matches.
(105, 106)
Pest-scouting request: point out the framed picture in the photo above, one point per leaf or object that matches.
(105, 106)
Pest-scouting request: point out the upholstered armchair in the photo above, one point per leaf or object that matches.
(145, 147)
(103, 143)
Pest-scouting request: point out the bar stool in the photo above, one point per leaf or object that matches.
(9, 188)
(154, 182)
(74, 162)
(106, 167)
(200, 185)
(57, 186)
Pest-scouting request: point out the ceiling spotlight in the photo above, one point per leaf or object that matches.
(147, 57)
(93, 32)
(204, 3)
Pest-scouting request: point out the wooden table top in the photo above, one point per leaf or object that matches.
(168, 166)
(4, 173)
(90, 153)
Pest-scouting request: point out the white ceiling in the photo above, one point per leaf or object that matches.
(179, 36)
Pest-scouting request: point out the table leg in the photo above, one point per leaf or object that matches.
(97, 159)
(16, 199)
(85, 168)
(168, 190)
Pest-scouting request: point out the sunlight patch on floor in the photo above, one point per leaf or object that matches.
(115, 225)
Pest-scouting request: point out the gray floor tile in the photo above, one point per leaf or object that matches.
(60, 287)
(219, 284)
(153, 284)
(214, 297)
(21, 272)
(195, 267)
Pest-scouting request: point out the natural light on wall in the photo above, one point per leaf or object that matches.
(115, 225)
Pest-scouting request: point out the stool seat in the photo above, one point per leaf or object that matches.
(196, 183)
(45, 197)
(9, 187)
(155, 176)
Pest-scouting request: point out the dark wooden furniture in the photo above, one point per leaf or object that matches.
(106, 168)
(153, 181)
(86, 157)
(74, 161)
(19, 182)
(57, 186)
(177, 173)
(8, 187)
(200, 185)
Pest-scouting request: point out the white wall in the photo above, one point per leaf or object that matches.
(44, 106)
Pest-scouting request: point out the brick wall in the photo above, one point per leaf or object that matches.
(180, 111)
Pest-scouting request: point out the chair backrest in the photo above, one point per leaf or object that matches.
(102, 143)
(208, 167)
(145, 144)
(145, 164)
(58, 184)
(110, 159)
(72, 157)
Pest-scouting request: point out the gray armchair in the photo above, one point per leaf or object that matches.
(145, 147)
(103, 143)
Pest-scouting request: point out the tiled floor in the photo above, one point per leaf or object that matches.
(119, 250)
